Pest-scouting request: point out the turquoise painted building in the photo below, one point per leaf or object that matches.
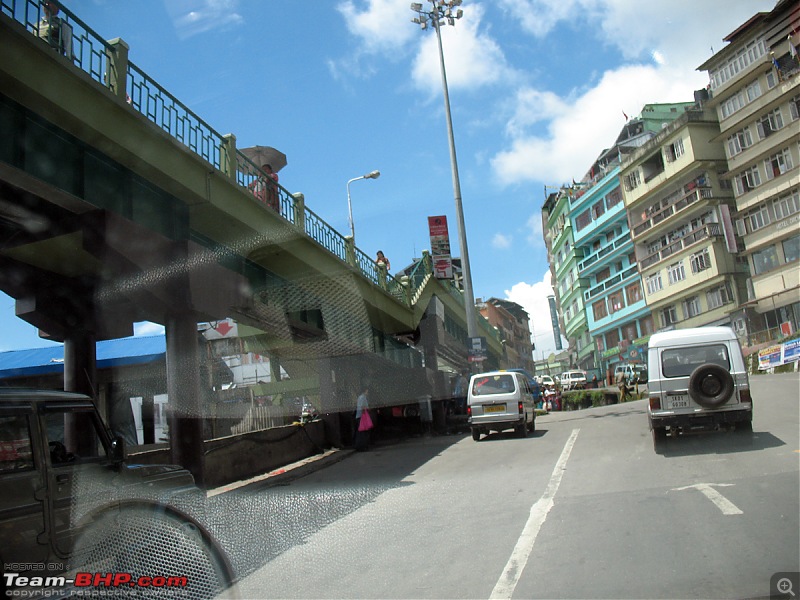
(618, 320)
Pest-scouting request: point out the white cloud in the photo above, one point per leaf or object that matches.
(472, 59)
(533, 298)
(595, 118)
(192, 17)
(383, 25)
(501, 241)
(147, 328)
(543, 128)
(534, 230)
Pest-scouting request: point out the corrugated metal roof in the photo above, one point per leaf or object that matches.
(135, 350)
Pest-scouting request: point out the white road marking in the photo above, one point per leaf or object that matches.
(721, 502)
(504, 588)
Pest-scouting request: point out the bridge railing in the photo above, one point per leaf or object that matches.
(107, 64)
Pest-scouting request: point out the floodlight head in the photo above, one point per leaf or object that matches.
(372, 175)
(459, 13)
(416, 6)
(423, 25)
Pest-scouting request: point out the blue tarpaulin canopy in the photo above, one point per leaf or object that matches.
(121, 352)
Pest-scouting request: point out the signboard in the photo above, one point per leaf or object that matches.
(779, 354)
(477, 351)
(554, 320)
(440, 247)
(218, 330)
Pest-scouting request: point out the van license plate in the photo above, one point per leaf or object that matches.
(494, 408)
(679, 402)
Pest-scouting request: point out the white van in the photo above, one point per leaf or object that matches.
(697, 379)
(500, 400)
(573, 380)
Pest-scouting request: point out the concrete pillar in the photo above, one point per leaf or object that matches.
(185, 396)
(227, 156)
(117, 68)
(299, 211)
(80, 376)
(350, 251)
(148, 419)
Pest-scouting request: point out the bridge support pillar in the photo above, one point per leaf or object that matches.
(185, 395)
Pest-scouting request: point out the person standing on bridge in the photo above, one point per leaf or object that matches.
(382, 260)
(265, 188)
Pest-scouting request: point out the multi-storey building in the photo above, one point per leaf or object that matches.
(755, 89)
(618, 318)
(679, 207)
(568, 284)
(513, 323)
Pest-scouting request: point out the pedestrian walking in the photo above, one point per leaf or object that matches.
(364, 423)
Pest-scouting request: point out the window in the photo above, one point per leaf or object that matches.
(732, 104)
(794, 107)
(770, 123)
(759, 218)
(753, 91)
(613, 198)
(791, 249)
(654, 283)
(747, 180)
(739, 141)
(633, 293)
(598, 210)
(674, 151)
(15, 444)
(633, 180)
(691, 307)
(765, 260)
(646, 325)
(582, 220)
(747, 55)
(778, 164)
(772, 79)
(615, 302)
(669, 316)
(599, 310)
(604, 274)
(788, 205)
(719, 296)
(676, 272)
(700, 261)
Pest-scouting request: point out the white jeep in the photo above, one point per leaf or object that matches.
(697, 380)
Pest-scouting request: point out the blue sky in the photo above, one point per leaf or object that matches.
(538, 89)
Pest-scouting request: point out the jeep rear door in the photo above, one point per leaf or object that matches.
(22, 524)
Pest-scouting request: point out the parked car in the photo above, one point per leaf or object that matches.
(500, 400)
(697, 379)
(72, 499)
(546, 381)
(631, 373)
(573, 380)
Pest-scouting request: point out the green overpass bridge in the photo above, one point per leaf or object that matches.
(119, 205)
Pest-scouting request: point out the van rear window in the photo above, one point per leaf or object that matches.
(492, 384)
(680, 362)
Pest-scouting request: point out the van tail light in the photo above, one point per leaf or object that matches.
(469, 411)
(655, 403)
(744, 396)
(521, 408)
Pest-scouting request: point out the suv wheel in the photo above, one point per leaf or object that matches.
(476, 435)
(710, 385)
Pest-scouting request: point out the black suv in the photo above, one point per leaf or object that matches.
(70, 503)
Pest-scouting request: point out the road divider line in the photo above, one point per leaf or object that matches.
(505, 586)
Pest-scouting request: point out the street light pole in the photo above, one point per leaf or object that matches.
(440, 11)
(372, 175)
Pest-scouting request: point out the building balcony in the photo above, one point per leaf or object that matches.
(611, 282)
(706, 232)
(680, 203)
(620, 242)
